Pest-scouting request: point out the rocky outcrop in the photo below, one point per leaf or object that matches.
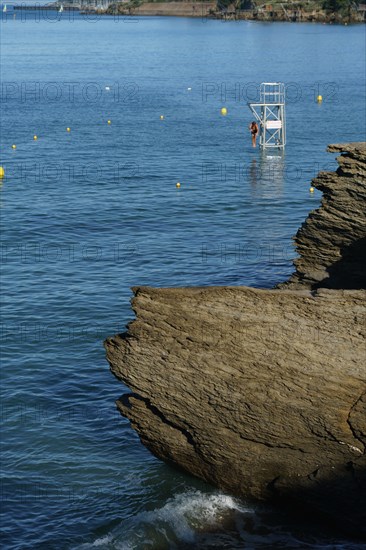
(302, 13)
(332, 241)
(261, 392)
(171, 9)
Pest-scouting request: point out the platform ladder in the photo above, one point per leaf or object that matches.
(270, 114)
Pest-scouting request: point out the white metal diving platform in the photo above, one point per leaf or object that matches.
(270, 113)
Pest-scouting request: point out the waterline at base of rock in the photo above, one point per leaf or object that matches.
(199, 521)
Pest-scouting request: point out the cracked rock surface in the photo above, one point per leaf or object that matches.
(260, 392)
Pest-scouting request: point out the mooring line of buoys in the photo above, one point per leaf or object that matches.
(109, 122)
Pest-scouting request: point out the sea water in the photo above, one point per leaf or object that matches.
(90, 212)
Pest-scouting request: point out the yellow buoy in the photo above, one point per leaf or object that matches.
(161, 117)
(35, 138)
(109, 121)
(13, 146)
(311, 189)
(2, 172)
(224, 111)
(68, 129)
(177, 184)
(319, 98)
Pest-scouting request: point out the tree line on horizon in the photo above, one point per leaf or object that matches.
(338, 6)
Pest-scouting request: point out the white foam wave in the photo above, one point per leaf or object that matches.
(193, 517)
(179, 520)
(193, 511)
(102, 542)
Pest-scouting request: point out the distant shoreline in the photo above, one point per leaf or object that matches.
(208, 10)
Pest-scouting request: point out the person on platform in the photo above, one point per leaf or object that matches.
(253, 127)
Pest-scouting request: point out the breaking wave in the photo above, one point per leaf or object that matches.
(175, 525)
(197, 521)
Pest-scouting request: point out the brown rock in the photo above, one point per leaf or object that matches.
(261, 392)
(332, 241)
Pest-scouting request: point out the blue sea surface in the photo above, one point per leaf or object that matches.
(86, 214)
